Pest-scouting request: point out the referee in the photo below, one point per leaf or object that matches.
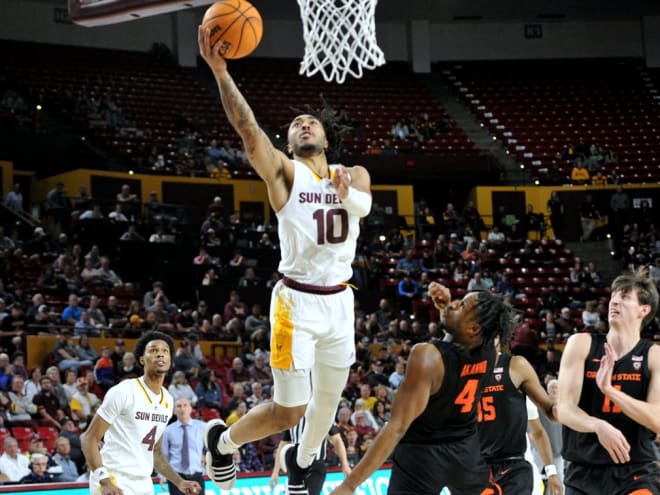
(183, 445)
(319, 467)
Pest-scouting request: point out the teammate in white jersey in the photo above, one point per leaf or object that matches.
(131, 421)
(318, 206)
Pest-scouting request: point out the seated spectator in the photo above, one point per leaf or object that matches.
(257, 326)
(33, 383)
(265, 242)
(202, 258)
(70, 431)
(21, 407)
(128, 202)
(397, 375)
(73, 311)
(13, 464)
(104, 369)
(235, 308)
(131, 235)
(57, 388)
(85, 327)
(409, 265)
(475, 283)
(185, 361)
(181, 389)
(95, 313)
(258, 396)
(579, 173)
(525, 342)
(239, 375)
(599, 179)
(128, 367)
(240, 411)
(210, 278)
(260, 371)
(48, 405)
(590, 316)
(38, 471)
(495, 237)
(83, 404)
(249, 279)
(66, 355)
(117, 215)
(63, 459)
(108, 275)
(209, 391)
(408, 290)
(70, 386)
(91, 276)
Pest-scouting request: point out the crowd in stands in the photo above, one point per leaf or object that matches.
(77, 297)
(591, 163)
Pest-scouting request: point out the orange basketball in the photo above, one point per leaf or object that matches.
(236, 25)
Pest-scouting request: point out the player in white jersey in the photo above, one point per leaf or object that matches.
(131, 421)
(318, 206)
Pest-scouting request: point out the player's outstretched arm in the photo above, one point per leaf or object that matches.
(523, 373)
(424, 376)
(571, 378)
(264, 157)
(645, 412)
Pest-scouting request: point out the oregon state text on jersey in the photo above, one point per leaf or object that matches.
(630, 375)
(502, 424)
(317, 235)
(137, 418)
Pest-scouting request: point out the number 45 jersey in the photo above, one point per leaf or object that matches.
(137, 418)
(317, 235)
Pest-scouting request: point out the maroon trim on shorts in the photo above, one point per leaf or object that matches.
(312, 289)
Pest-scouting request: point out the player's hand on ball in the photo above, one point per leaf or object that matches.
(209, 53)
(440, 295)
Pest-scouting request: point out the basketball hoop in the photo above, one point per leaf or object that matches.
(340, 38)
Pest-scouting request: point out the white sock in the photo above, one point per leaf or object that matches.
(226, 445)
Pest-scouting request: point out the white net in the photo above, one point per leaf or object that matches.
(340, 38)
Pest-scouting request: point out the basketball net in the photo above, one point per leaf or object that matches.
(340, 38)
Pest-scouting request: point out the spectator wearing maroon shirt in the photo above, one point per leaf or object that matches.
(48, 405)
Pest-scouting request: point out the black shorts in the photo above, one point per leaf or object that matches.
(426, 469)
(640, 479)
(513, 477)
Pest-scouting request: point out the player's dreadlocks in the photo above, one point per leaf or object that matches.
(334, 125)
(495, 317)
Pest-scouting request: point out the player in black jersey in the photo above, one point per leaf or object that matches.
(433, 422)
(319, 467)
(609, 398)
(503, 421)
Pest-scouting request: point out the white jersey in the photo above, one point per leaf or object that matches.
(317, 235)
(137, 418)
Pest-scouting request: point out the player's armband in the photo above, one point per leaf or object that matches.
(550, 470)
(101, 474)
(357, 202)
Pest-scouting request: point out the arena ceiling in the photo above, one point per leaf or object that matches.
(473, 10)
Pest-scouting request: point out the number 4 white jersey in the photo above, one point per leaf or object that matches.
(317, 235)
(137, 418)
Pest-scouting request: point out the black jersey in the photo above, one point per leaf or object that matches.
(451, 412)
(502, 415)
(631, 375)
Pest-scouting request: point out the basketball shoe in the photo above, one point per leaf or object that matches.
(219, 467)
(297, 477)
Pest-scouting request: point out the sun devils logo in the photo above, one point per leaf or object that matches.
(637, 362)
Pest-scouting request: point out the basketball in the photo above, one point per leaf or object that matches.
(236, 25)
